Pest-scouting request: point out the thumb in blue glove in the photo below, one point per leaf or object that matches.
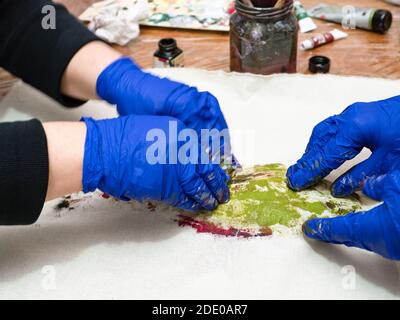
(116, 162)
(377, 230)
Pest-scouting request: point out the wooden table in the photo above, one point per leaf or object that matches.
(363, 53)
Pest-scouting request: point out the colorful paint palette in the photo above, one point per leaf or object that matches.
(190, 14)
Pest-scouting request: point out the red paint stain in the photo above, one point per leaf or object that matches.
(151, 206)
(231, 8)
(207, 227)
(105, 196)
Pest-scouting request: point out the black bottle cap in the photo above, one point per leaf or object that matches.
(319, 64)
(382, 21)
(167, 44)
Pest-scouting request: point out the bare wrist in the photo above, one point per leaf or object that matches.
(65, 142)
(80, 77)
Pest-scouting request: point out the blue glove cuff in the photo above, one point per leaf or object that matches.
(92, 168)
(111, 75)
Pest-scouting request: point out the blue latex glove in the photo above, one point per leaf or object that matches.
(137, 92)
(374, 125)
(115, 162)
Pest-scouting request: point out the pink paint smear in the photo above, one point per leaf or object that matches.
(207, 227)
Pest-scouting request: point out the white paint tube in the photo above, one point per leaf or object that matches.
(305, 22)
(395, 2)
(323, 38)
(350, 17)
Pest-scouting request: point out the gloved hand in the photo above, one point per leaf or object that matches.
(374, 125)
(137, 92)
(117, 161)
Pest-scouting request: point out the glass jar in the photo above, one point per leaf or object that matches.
(263, 40)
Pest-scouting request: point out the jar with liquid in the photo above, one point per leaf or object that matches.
(263, 40)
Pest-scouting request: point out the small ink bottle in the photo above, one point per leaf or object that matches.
(168, 54)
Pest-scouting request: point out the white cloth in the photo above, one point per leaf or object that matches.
(116, 21)
(108, 249)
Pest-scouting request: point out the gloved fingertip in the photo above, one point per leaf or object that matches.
(216, 180)
(291, 185)
(289, 178)
(313, 228)
(209, 203)
(295, 179)
(348, 183)
(224, 195)
(340, 189)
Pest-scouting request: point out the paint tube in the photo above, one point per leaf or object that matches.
(376, 20)
(305, 22)
(322, 39)
(395, 2)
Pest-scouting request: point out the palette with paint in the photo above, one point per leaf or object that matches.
(190, 14)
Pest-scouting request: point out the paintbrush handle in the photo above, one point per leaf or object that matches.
(279, 4)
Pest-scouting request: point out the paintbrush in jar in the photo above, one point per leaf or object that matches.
(279, 4)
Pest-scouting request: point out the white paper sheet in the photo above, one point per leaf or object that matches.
(106, 249)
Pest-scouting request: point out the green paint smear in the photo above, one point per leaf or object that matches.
(260, 198)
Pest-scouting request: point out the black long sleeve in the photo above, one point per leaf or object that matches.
(38, 56)
(24, 171)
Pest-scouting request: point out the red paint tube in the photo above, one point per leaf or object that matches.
(321, 39)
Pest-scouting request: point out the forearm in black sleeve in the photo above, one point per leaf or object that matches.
(40, 56)
(24, 172)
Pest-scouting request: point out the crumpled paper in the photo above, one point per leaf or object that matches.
(116, 21)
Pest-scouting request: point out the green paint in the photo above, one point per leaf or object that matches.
(159, 17)
(260, 198)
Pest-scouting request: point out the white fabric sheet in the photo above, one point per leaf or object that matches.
(107, 249)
